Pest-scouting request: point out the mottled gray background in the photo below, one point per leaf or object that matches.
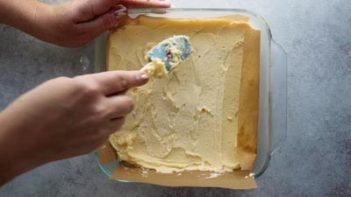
(316, 157)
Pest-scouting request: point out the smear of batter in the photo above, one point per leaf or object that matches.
(188, 120)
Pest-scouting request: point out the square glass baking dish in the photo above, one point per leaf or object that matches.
(272, 125)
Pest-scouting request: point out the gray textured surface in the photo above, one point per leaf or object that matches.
(316, 158)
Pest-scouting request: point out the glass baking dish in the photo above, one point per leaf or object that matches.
(272, 129)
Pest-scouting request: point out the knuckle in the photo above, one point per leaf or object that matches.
(100, 111)
(63, 80)
(128, 103)
(58, 82)
(86, 88)
(92, 90)
(117, 75)
(120, 79)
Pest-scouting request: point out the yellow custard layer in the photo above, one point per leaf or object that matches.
(201, 116)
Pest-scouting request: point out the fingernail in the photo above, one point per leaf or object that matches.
(120, 11)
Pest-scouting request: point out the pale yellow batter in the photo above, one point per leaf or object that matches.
(156, 68)
(202, 115)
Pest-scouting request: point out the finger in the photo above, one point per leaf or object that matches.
(86, 10)
(146, 3)
(103, 23)
(114, 125)
(90, 9)
(120, 106)
(114, 82)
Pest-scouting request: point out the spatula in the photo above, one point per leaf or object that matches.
(167, 55)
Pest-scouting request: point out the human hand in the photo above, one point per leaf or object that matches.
(70, 24)
(79, 21)
(64, 117)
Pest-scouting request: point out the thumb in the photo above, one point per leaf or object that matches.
(86, 10)
(146, 3)
(104, 22)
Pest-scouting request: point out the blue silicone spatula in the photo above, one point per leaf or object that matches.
(167, 55)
